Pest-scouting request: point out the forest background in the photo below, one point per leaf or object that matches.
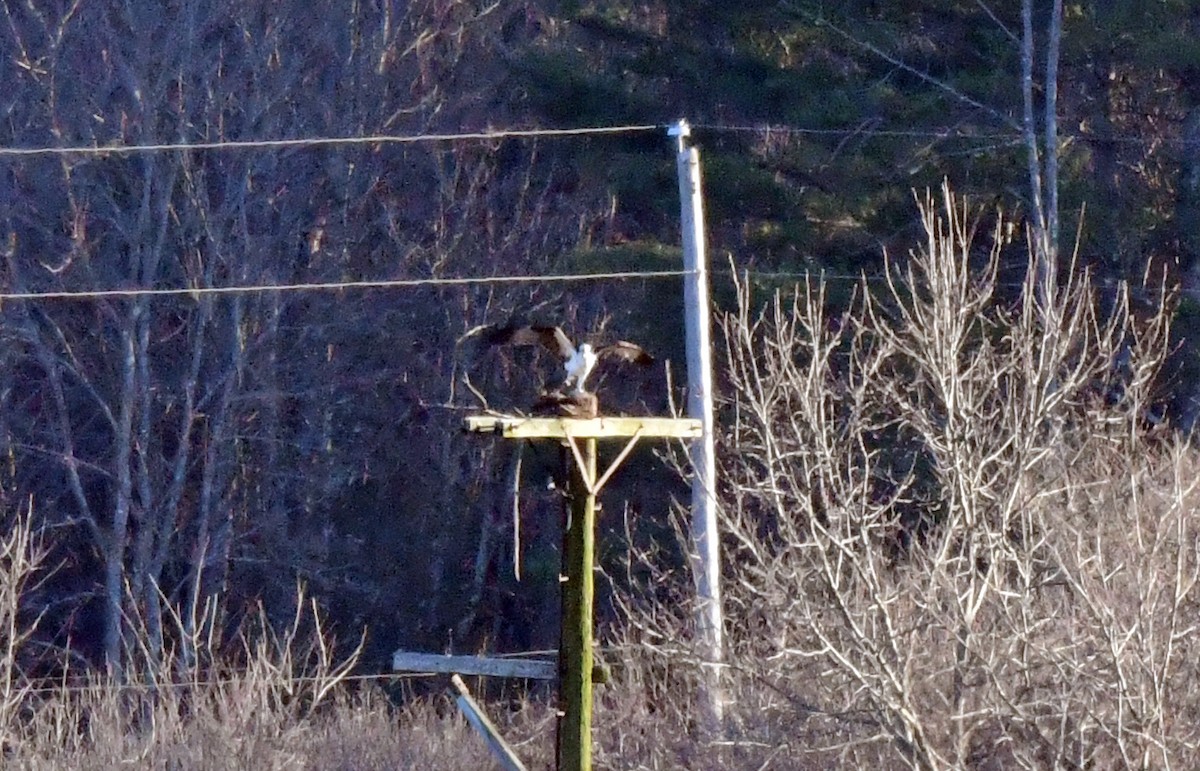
(179, 453)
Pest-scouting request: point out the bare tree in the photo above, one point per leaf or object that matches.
(156, 415)
(929, 514)
(1043, 165)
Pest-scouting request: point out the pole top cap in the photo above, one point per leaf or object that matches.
(679, 128)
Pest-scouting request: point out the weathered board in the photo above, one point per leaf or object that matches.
(537, 669)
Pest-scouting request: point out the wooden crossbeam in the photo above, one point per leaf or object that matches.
(513, 427)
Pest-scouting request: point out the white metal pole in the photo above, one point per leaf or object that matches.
(706, 566)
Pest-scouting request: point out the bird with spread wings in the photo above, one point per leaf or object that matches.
(578, 360)
(571, 396)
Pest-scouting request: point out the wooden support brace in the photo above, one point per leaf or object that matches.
(478, 719)
(596, 488)
(587, 478)
(492, 666)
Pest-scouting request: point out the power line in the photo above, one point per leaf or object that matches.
(325, 141)
(818, 275)
(1011, 137)
(97, 150)
(768, 128)
(96, 294)
(335, 285)
(215, 683)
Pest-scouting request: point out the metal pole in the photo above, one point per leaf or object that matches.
(706, 566)
(574, 746)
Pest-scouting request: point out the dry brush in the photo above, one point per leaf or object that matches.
(957, 536)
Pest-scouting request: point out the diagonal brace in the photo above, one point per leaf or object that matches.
(617, 461)
(592, 484)
(589, 481)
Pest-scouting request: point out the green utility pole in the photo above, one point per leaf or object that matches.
(574, 749)
(574, 742)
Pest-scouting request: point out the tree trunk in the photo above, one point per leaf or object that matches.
(213, 538)
(114, 548)
(143, 584)
(1053, 46)
(1033, 155)
(1043, 164)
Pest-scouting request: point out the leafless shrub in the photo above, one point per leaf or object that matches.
(361, 732)
(260, 697)
(951, 542)
(250, 708)
(21, 558)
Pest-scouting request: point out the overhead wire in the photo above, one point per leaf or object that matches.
(767, 128)
(768, 275)
(334, 285)
(214, 683)
(243, 676)
(99, 294)
(495, 134)
(1007, 137)
(380, 139)
(439, 137)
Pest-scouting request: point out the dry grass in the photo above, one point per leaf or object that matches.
(96, 731)
(281, 699)
(959, 542)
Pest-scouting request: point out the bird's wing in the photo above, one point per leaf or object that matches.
(556, 340)
(553, 338)
(627, 351)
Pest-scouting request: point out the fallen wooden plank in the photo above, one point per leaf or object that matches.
(536, 669)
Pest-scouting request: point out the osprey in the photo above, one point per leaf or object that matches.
(578, 361)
